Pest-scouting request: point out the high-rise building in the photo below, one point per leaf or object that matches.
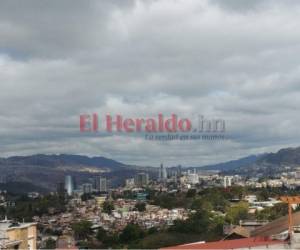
(192, 178)
(129, 183)
(162, 175)
(60, 189)
(179, 171)
(227, 181)
(141, 180)
(101, 184)
(87, 188)
(69, 184)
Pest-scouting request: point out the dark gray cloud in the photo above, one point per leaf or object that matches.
(244, 6)
(241, 5)
(237, 60)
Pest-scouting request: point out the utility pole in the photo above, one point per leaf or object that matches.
(290, 200)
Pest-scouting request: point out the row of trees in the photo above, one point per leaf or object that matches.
(25, 208)
(86, 237)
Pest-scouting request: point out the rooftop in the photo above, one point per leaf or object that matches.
(8, 225)
(230, 244)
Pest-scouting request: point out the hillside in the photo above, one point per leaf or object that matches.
(46, 171)
(234, 164)
(271, 164)
(61, 159)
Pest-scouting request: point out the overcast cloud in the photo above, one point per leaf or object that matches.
(236, 60)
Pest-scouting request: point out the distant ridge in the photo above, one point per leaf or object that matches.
(271, 164)
(46, 171)
(62, 159)
(234, 164)
(267, 164)
(283, 156)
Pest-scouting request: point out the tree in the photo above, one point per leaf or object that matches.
(263, 195)
(196, 223)
(152, 230)
(217, 198)
(215, 229)
(201, 204)
(131, 233)
(86, 197)
(191, 193)
(272, 213)
(50, 243)
(170, 201)
(82, 229)
(236, 213)
(199, 222)
(140, 206)
(101, 234)
(111, 241)
(108, 207)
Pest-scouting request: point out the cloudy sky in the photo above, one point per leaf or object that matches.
(232, 59)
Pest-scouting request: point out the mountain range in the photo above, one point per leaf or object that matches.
(268, 164)
(46, 171)
(234, 164)
(62, 159)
